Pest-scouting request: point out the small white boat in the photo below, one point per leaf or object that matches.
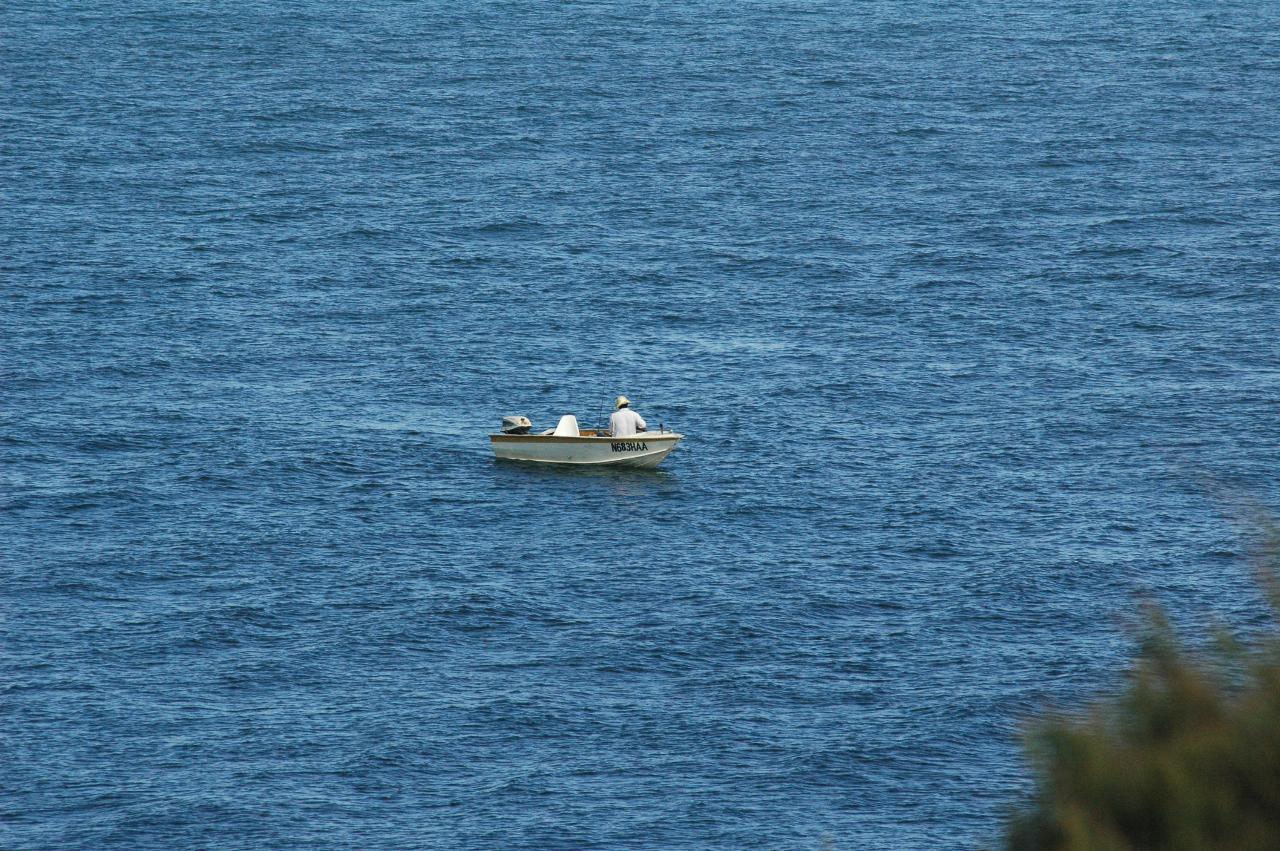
(567, 444)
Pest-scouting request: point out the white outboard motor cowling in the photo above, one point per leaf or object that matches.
(516, 425)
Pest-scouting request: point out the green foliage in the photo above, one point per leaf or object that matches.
(1187, 757)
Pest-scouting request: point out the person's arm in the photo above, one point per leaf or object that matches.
(641, 425)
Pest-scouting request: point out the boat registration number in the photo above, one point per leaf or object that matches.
(629, 446)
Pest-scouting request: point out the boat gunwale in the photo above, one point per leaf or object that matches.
(564, 438)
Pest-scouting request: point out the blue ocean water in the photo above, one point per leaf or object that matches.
(969, 313)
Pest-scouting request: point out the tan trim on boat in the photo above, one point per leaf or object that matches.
(642, 437)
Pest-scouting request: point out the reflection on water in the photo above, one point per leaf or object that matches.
(631, 483)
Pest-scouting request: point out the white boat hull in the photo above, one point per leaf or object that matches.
(643, 450)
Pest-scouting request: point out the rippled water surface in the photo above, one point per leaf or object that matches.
(960, 309)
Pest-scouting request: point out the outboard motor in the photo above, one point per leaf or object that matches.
(516, 425)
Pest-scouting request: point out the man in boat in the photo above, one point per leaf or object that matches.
(624, 422)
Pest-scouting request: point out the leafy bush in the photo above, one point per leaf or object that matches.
(1187, 757)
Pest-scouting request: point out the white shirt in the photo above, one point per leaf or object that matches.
(625, 422)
